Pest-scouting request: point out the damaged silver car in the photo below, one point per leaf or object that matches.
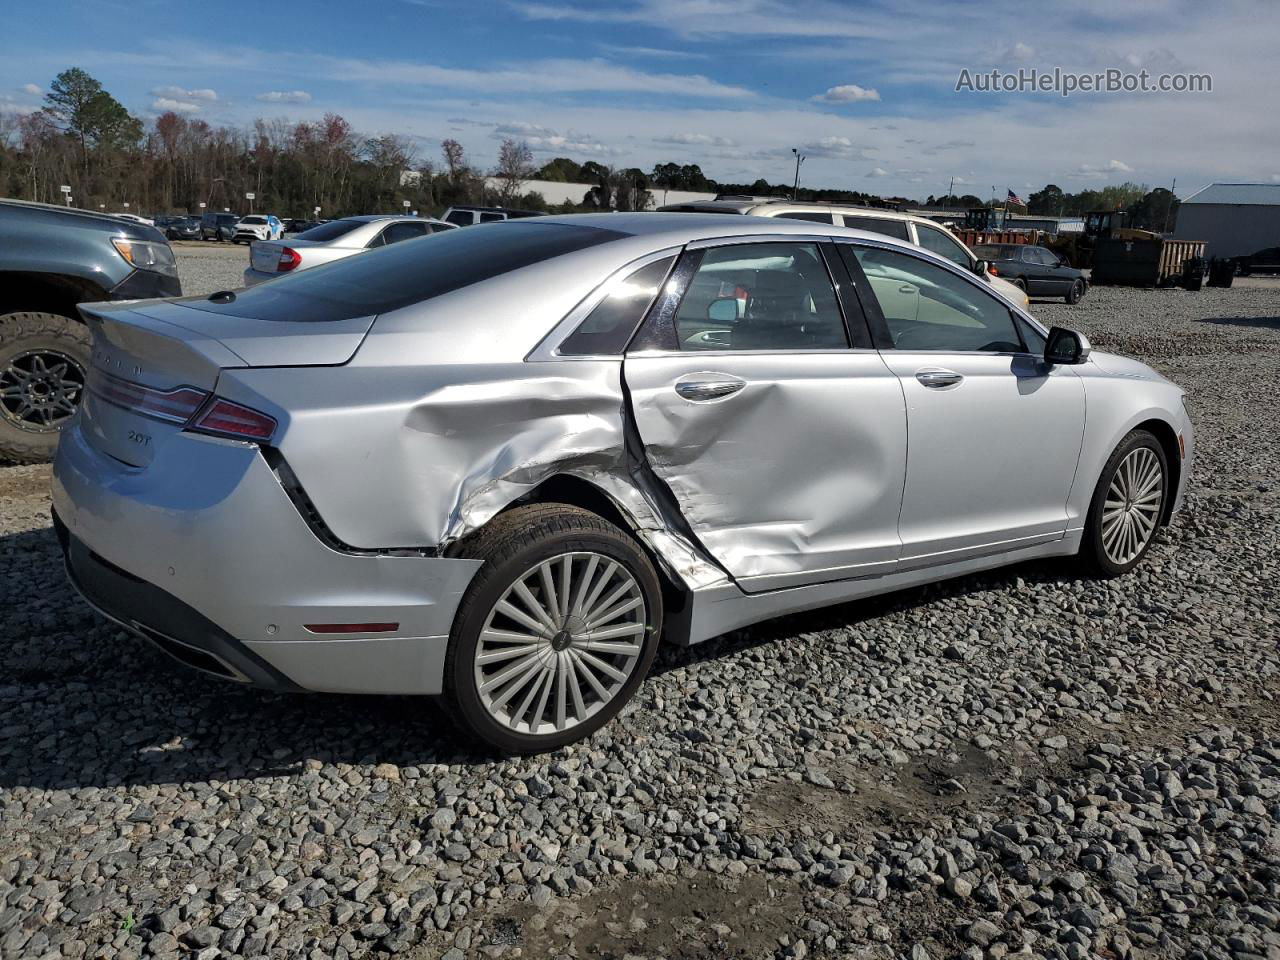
(502, 463)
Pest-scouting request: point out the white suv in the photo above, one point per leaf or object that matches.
(257, 227)
(901, 226)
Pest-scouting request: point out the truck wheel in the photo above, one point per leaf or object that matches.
(555, 633)
(43, 361)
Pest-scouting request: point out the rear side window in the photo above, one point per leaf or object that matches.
(462, 218)
(609, 327)
(392, 277)
(890, 228)
(329, 231)
(491, 217)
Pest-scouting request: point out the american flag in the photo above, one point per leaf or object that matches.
(1014, 198)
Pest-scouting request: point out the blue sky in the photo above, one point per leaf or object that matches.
(865, 89)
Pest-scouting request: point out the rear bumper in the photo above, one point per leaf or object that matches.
(203, 553)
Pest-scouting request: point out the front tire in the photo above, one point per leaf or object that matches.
(556, 632)
(1128, 504)
(44, 358)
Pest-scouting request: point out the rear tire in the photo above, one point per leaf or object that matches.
(1127, 506)
(1020, 284)
(1076, 293)
(43, 361)
(571, 677)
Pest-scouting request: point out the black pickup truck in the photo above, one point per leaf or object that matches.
(51, 260)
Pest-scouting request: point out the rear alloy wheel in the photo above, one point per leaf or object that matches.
(43, 361)
(1128, 504)
(557, 630)
(1076, 293)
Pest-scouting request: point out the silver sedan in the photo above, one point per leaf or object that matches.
(501, 464)
(335, 240)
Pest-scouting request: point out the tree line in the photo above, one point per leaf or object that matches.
(84, 138)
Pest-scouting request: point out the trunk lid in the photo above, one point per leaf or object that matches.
(154, 364)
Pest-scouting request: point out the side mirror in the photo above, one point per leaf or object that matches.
(1066, 346)
(980, 267)
(723, 310)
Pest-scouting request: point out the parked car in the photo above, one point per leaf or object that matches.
(256, 227)
(1264, 261)
(52, 260)
(218, 226)
(901, 226)
(466, 216)
(333, 241)
(1036, 270)
(502, 464)
(133, 217)
(179, 228)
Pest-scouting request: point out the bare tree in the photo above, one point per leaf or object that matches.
(515, 166)
(453, 157)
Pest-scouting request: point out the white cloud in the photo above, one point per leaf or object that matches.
(33, 89)
(848, 93)
(1019, 53)
(165, 104)
(1111, 166)
(545, 140)
(697, 139)
(179, 93)
(537, 77)
(878, 172)
(284, 96)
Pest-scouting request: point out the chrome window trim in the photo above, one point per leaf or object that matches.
(548, 347)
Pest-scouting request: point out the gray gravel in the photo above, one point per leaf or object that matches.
(1024, 762)
(207, 267)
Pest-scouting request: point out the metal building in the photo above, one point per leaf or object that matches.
(1234, 218)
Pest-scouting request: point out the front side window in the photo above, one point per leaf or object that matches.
(943, 244)
(927, 307)
(811, 217)
(462, 218)
(890, 228)
(761, 296)
(614, 319)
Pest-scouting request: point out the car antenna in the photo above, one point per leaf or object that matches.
(223, 296)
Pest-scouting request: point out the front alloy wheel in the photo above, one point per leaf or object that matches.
(556, 631)
(1128, 504)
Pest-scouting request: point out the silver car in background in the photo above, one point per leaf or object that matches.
(335, 240)
(502, 465)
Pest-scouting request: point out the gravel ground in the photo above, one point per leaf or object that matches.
(1025, 762)
(206, 267)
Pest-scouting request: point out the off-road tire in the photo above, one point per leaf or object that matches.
(24, 331)
(509, 546)
(1093, 555)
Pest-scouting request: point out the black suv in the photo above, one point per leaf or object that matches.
(218, 226)
(52, 259)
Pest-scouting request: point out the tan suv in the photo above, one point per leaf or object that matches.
(901, 226)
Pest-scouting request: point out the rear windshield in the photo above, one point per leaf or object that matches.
(329, 231)
(409, 272)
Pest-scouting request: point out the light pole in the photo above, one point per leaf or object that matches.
(795, 187)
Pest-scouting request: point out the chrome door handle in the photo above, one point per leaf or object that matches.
(702, 390)
(938, 378)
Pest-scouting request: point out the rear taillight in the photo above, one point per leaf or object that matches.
(289, 258)
(227, 419)
(195, 409)
(993, 271)
(175, 406)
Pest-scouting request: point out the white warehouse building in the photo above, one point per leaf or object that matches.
(1235, 219)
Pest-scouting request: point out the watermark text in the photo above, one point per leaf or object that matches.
(1067, 82)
